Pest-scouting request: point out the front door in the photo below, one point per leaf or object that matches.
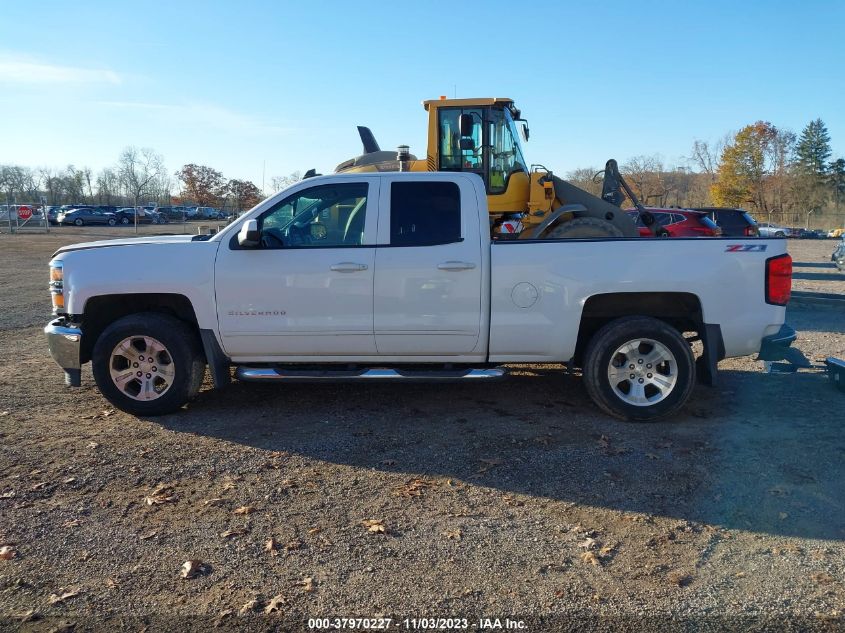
(307, 291)
(428, 269)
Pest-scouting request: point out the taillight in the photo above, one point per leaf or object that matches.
(751, 231)
(778, 279)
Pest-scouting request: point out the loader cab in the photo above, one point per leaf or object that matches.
(481, 136)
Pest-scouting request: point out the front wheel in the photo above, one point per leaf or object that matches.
(112, 221)
(78, 222)
(148, 363)
(124, 220)
(639, 369)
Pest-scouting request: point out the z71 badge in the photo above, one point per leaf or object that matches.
(745, 248)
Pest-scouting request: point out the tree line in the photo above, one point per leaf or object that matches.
(139, 177)
(775, 174)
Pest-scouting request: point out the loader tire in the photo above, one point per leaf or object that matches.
(583, 228)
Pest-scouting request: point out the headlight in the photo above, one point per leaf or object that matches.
(57, 286)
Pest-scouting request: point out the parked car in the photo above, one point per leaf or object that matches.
(81, 217)
(733, 222)
(210, 213)
(171, 214)
(767, 229)
(679, 223)
(311, 295)
(127, 215)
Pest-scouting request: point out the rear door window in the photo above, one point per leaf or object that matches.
(424, 213)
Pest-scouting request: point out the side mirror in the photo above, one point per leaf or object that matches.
(465, 124)
(249, 236)
(466, 144)
(525, 132)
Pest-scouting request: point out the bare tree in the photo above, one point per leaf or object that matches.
(281, 182)
(141, 172)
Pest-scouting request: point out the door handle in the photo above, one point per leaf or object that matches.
(348, 267)
(455, 265)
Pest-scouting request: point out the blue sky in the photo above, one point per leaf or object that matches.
(236, 85)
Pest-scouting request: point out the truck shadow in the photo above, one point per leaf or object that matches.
(760, 452)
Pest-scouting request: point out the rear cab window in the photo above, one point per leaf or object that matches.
(425, 213)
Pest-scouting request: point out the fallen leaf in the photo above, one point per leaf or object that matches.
(604, 441)
(388, 462)
(511, 501)
(679, 578)
(225, 613)
(590, 557)
(38, 486)
(7, 552)
(244, 510)
(238, 531)
(71, 523)
(146, 537)
(376, 526)
(193, 568)
(272, 546)
(26, 616)
(292, 545)
(250, 606)
(275, 604)
(111, 583)
(107, 413)
(93, 445)
(67, 595)
(413, 487)
(315, 530)
(783, 515)
(229, 485)
(607, 549)
(2, 413)
(822, 578)
(162, 493)
(652, 456)
(589, 543)
(69, 480)
(487, 464)
(8, 495)
(214, 502)
(453, 534)
(308, 585)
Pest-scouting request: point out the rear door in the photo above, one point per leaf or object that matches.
(429, 269)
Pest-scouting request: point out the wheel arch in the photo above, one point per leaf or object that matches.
(681, 310)
(102, 310)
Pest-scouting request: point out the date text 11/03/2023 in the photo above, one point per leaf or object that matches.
(419, 624)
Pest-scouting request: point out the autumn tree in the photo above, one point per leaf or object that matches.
(201, 184)
(748, 162)
(140, 172)
(246, 195)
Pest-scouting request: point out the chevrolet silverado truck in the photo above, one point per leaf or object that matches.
(394, 276)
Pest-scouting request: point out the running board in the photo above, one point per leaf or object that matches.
(273, 374)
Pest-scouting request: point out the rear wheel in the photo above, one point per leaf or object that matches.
(112, 221)
(78, 222)
(148, 363)
(639, 369)
(124, 220)
(583, 228)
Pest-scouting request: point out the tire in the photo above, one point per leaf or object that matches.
(780, 234)
(78, 222)
(182, 365)
(112, 222)
(124, 220)
(583, 228)
(603, 358)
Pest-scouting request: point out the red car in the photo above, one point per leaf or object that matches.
(679, 223)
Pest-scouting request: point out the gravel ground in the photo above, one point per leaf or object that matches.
(513, 500)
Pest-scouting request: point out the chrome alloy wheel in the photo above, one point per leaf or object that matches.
(642, 372)
(142, 368)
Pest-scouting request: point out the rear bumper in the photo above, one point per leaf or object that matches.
(64, 340)
(776, 347)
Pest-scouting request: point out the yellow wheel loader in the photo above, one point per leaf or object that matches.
(525, 201)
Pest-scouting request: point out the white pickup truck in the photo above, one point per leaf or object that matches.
(394, 276)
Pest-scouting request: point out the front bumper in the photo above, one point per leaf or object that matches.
(776, 347)
(64, 340)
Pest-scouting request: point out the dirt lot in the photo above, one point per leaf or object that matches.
(511, 500)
